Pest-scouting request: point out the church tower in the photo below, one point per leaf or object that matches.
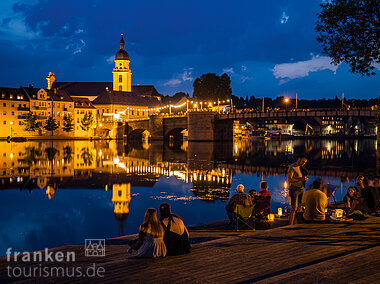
(121, 73)
(121, 197)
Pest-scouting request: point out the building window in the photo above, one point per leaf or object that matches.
(4, 122)
(120, 88)
(20, 123)
(120, 78)
(4, 104)
(13, 113)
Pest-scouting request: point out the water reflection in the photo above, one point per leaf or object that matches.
(79, 186)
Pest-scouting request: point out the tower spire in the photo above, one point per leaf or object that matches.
(122, 42)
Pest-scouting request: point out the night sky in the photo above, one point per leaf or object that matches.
(268, 48)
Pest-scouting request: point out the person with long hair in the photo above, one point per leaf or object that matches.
(176, 236)
(150, 242)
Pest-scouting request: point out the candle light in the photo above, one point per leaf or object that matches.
(279, 211)
(271, 217)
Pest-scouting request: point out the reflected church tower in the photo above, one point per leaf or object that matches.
(121, 197)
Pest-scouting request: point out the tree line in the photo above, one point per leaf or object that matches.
(32, 123)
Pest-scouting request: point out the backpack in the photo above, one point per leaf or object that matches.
(175, 244)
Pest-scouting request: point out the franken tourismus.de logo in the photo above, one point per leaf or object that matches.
(95, 247)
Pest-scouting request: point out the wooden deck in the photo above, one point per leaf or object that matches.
(306, 253)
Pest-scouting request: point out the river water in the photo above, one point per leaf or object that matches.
(54, 193)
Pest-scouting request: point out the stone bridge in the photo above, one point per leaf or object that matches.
(210, 126)
(196, 126)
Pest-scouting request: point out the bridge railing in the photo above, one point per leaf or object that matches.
(366, 112)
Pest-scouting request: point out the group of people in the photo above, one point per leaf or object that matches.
(169, 236)
(362, 196)
(242, 198)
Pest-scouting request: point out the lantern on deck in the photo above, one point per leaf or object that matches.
(279, 212)
(271, 217)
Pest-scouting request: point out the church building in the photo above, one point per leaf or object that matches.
(117, 100)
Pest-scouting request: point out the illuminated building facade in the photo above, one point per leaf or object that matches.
(108, 102)
(14, 105)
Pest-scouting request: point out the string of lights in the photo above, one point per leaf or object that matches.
(194, 103)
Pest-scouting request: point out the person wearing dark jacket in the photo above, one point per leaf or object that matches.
(176, 236)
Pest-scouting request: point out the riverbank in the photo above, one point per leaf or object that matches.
(304, 253)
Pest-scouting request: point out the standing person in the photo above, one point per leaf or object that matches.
(296, 182)
(150, 242)
(176, 236)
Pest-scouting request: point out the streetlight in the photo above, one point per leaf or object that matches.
(286, 101)
(11, 128)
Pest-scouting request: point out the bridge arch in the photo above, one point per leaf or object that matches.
(139, 135)
(177, 134)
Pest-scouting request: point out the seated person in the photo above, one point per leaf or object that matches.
(262, 206)
(176, 236)
(150, 242)
(315, 202)
(370, 197)
(240, 198)
(252, 193)
(349, 197)
(359, 184)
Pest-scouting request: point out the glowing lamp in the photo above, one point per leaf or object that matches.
(279, 211)
(271, 217)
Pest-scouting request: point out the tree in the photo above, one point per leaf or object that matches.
(86, 156)
(67, 154)
(211, 87)
(51, 125)
(87, 122)
(68, 124)
(32, 154)
(51, 152)
(348, 30)
(30, 122)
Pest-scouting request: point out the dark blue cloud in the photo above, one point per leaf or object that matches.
(74, 39)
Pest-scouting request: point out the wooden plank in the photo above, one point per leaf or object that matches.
(283, 254)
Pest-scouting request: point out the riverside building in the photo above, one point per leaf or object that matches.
(109, 103)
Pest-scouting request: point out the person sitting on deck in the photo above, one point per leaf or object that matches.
(359, 184)
(150, 242)
(349, 198)
(315, 202)
(240, 198)
(262, 206)
(252, 192)
(176, 236)
(362, 198)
